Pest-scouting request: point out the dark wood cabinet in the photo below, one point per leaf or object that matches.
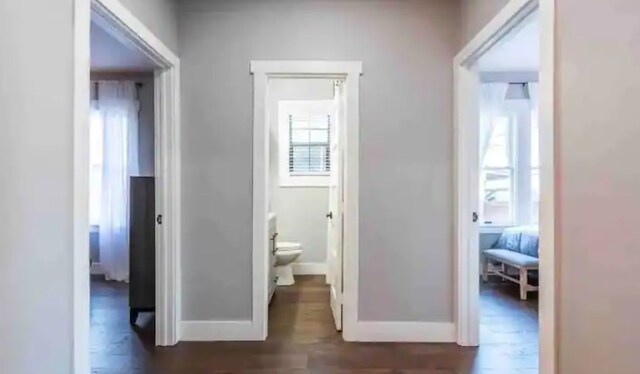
(142, 247)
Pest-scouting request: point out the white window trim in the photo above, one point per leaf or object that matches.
(521, 194)
(293, 107)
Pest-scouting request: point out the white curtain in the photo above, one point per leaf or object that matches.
(535, 101)
(492, 97)
(118, 106)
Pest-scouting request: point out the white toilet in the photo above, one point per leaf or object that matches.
(286, 254)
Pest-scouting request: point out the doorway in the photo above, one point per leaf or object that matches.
(305, 207)
(121, 198)
(124, 76)
(486, 194)
(341, 150)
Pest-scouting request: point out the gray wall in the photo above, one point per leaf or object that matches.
(36, 188)
(475, 15)
(405, 158)
(159, 16)
(598, 192)
(301, 210)
(36, 191)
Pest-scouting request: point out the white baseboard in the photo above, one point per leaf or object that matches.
(309, 268)
(415, 332)
(96, 269)
(211, 331)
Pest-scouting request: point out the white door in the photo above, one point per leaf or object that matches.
(334, 215)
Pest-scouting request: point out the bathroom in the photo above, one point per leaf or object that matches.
(301, 128)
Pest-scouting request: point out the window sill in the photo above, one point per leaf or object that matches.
(305, 181)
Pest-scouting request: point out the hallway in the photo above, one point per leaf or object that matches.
(308, 345)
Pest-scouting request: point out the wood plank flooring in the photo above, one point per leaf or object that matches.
(302, 339)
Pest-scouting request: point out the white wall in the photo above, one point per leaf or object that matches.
(301, 210)
(407, 47)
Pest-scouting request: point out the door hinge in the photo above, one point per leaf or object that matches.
(474, 217)
(159, 219)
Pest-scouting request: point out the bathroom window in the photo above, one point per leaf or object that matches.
(305, 130)
(309, 138)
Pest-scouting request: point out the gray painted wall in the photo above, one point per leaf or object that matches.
(36, 191)
(159, 16)
(301, 210)
(475, 15)
(405, 157)
(597, 194)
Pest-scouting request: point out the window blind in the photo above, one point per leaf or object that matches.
(309, 145)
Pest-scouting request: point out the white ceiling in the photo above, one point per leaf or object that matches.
(518, 51)
(109, 54)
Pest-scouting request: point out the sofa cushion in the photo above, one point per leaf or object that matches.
(509, 239)
(529, 241)
(513, 258)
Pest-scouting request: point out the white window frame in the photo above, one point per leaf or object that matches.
(513, 166)
(287, 108)
(521, 194)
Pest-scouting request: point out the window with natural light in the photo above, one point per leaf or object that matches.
(306, 129)
(309, 138)
(535, 168)
(509, 174)
(497, 175)
(95, 163)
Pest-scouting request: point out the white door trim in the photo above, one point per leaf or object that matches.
(116, 19)
(466, 201)
(262, 71)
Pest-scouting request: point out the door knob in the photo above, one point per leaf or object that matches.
(330, 215)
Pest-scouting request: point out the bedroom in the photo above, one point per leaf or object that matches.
(509, 191)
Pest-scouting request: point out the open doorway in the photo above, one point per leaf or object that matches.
(509, 190)
(305, 207)
(306, 131)
(126, 205)
(504, 189)
(122, 189)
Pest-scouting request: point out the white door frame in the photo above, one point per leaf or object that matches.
(263, 71)
(117, 20)
(466, 114)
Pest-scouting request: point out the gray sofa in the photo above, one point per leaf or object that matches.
(516, 248)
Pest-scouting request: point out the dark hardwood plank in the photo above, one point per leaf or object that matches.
(302, 339)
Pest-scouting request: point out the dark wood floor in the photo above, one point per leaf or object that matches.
(302, 339)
